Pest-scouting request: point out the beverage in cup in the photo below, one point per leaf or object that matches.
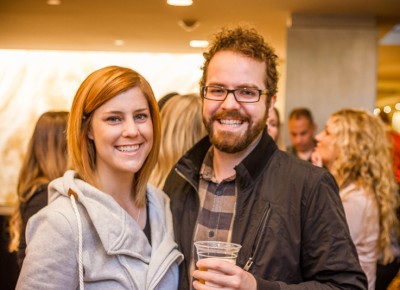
(217, 250)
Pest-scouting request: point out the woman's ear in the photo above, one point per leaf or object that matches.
(90, 134)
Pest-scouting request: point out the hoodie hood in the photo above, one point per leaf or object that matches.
(118, 231)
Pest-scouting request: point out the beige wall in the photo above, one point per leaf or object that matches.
(331, 64)
(33, 82)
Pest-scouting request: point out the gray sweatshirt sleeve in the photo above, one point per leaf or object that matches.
(51, 253)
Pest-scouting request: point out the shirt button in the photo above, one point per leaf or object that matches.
(211, 234)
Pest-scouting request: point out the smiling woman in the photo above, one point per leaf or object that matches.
(103, 211)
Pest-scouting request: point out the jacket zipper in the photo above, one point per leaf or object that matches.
(198, 200)
(260, 233)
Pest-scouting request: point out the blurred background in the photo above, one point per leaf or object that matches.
(332, 54)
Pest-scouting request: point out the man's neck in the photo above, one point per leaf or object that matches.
(224, 163)
(306, 155)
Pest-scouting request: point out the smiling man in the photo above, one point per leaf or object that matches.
(236, 186)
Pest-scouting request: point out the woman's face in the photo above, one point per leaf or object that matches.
(273, 125)
(326, 148)
(122, 132)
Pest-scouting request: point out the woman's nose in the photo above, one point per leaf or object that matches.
(130, 129)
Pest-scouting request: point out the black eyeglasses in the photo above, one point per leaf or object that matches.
(242, 95)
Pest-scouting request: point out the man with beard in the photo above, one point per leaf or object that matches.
(236, 186)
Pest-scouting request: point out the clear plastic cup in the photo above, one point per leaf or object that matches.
(217, 250)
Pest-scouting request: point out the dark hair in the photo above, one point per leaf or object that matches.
(297, 113)
(249, 42)
(164, 99)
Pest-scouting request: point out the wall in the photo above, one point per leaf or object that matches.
(331, 64)
(33, 82)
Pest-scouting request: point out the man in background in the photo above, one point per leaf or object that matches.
(301, 130)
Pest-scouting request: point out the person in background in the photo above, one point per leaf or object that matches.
(394, 138)
(104, 227)
(274, 127)
(386, 273)
(236, 186)
(354, 147)
(46, 159)
(181, 128)
(301, 131)
(165, 99)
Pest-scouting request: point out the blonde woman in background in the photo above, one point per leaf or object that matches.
(45, 160)
(355, 149)
(181, 128)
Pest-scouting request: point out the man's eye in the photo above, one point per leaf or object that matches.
(217, 91)
(247, 92)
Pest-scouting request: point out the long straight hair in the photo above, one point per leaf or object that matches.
(45, 160)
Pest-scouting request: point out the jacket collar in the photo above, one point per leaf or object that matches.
(190, 164)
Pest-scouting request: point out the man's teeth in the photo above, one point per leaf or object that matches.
(231, 122)
(128, 148)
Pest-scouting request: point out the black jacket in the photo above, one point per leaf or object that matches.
(289, 219)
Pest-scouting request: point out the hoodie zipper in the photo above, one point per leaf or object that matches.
(260, 233)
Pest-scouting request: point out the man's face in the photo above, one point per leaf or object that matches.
(234, 126)
(301, 132)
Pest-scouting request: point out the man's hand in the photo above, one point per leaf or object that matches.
(222, 274)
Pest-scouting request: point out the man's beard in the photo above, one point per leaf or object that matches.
(233, 142)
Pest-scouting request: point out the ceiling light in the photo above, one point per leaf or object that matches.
(377, 111)
(180, 2)
(53, 2)
(119, 42)
(198, 43)
(387, 109)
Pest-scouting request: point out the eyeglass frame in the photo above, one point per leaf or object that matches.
(228, 91)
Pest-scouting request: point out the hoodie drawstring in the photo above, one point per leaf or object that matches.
(73, 196)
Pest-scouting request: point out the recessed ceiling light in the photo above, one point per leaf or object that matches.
(119, 42)
(387, 109)
(180, 2)
(53, 2)
(198, 43)
(377, 111)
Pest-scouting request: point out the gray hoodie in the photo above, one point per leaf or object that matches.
(101, 237)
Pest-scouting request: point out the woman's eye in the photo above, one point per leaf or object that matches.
(113, 119)
(141, 117)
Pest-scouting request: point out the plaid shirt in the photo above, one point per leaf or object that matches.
(217, 206)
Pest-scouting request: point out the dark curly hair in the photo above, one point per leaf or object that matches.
(246, 41)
